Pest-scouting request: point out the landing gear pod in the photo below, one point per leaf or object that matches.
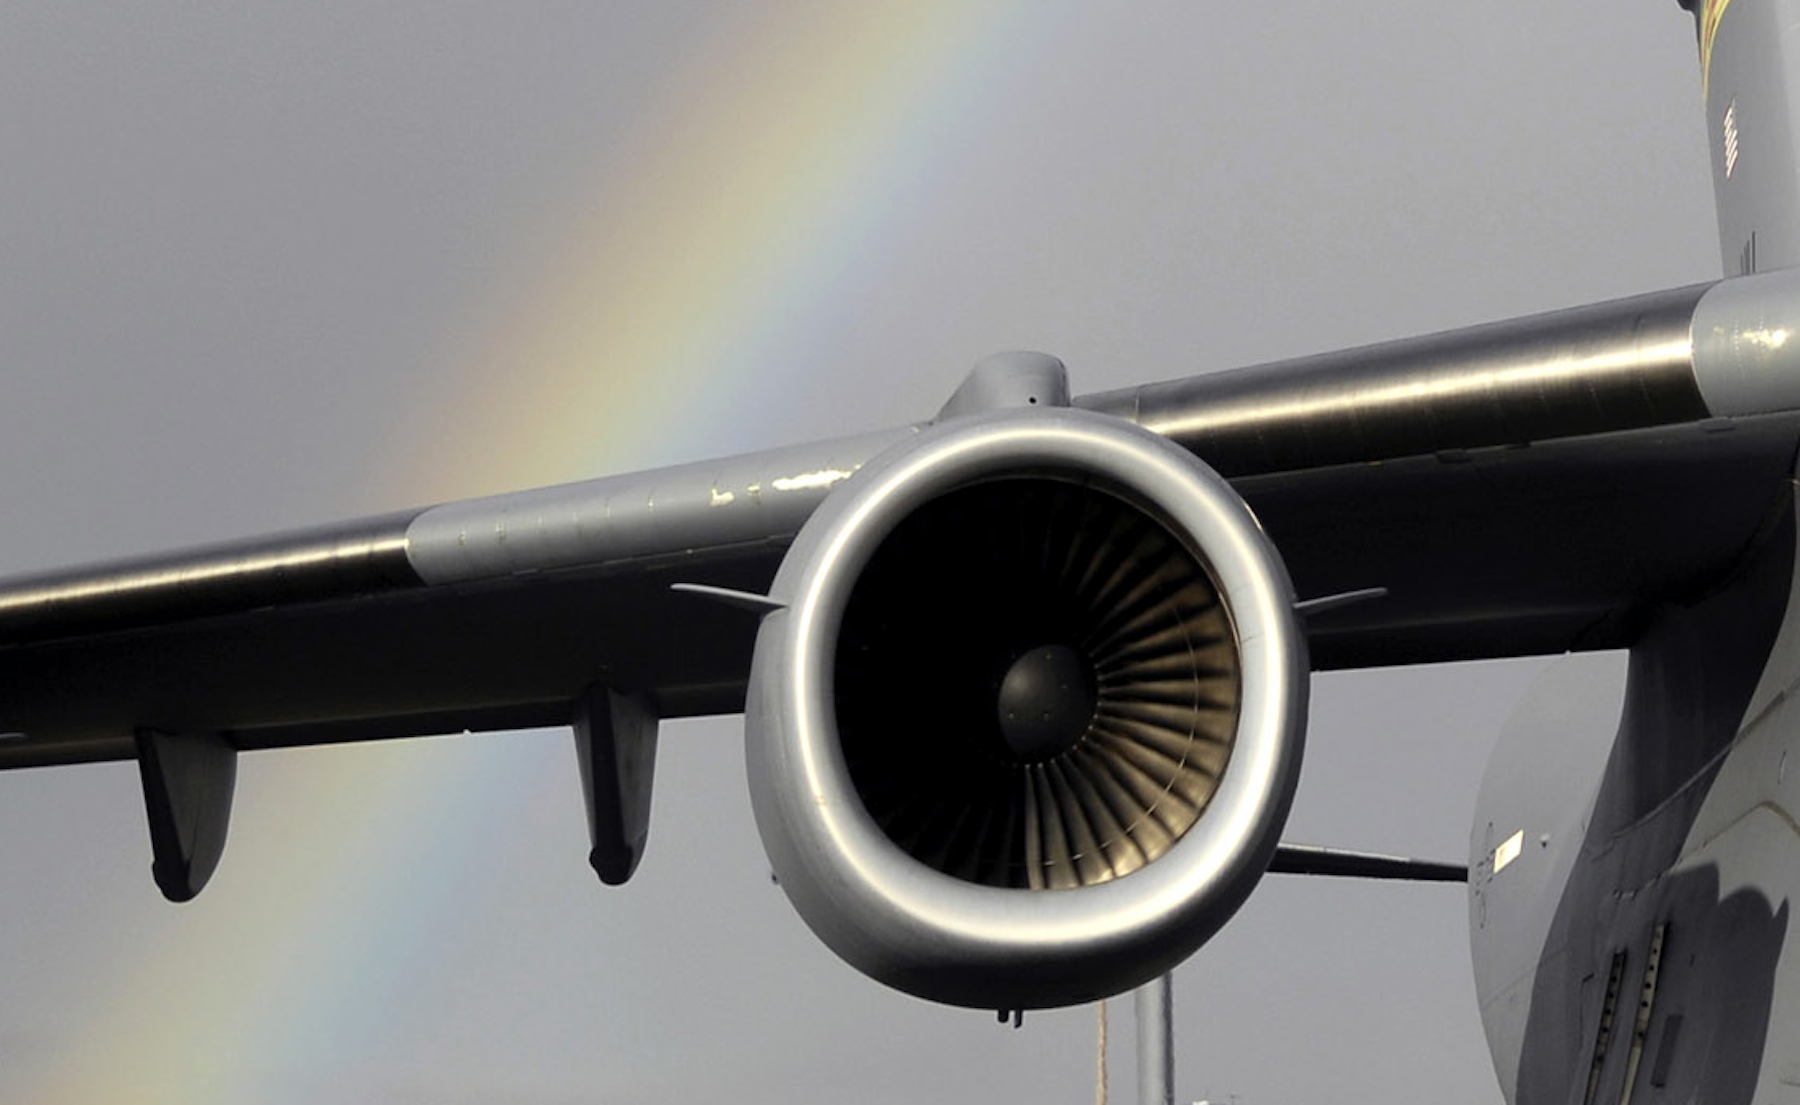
(1027, 725)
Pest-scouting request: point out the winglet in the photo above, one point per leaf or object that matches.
(188, 782)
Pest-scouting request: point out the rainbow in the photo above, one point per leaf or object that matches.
(764, 171)
(760, 183)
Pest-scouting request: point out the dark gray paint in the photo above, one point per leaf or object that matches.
(1690, 681)
(188, 781)
(1703, 744)
(615, 749)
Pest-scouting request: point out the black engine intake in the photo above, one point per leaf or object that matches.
(1036, 685)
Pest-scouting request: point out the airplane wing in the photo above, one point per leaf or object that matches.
(487, 614)
(1531, 486)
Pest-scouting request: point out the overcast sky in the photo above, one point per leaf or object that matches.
(265, 265)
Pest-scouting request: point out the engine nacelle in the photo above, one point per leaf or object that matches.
(1026, 727)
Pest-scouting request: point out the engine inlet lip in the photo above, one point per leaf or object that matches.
(835, 862)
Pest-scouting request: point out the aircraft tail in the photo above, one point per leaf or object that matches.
(1750, 70)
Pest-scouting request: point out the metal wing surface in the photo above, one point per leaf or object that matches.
(1532, 486)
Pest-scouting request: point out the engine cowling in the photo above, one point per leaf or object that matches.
(1027, 723)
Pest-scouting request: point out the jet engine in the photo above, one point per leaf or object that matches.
(1025, 723)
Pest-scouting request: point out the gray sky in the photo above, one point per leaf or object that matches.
(267, 265)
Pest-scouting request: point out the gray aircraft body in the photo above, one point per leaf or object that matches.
(1026, 684)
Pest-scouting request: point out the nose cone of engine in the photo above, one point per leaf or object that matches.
(1046, 702)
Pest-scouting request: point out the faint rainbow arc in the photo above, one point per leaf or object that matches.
(669, 275)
